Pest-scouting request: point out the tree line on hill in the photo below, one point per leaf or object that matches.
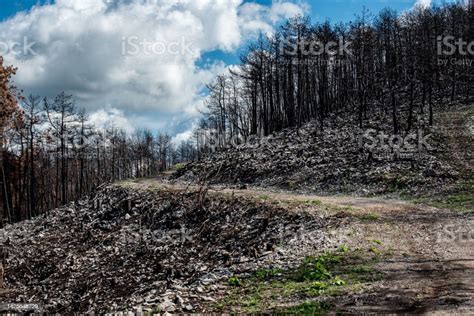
(400, 67)
(51, 154)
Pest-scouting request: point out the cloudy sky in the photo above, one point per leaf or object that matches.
(145, 63)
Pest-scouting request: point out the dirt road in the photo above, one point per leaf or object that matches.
(429, 266)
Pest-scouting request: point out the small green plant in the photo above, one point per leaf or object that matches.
(374, 250)
(234, 281)
(361, 269)
(265, 274)
(317, 288)
(343, 248)
(179, 166)
(253, 301)
(370, 217)
(316, 271)
(313, 202)
(377, 241)
(309, 308)
(317, 268)
(337, 281)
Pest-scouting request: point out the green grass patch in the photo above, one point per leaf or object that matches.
(361, 269)
(461, 198)
(179, 166)
(234, 281)
(317, 268)
(266, 274)
(370, 217)
(377, 242)
(313, 202)
(343, 249)
(317, 277)
(374, 250)
(308, 308)
(298, 202)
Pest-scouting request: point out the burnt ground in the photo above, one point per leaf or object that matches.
(123, 249)
(155, 245)
(425, 255)
(430, 263)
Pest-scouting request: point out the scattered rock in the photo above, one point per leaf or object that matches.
(167, 306)
(330, 162)
(127, 247)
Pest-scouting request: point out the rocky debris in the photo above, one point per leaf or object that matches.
(331, 161)
(128, 250)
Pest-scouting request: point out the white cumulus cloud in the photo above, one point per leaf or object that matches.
(423, 3)
(137, 56)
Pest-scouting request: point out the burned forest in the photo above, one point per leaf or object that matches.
(187, 157)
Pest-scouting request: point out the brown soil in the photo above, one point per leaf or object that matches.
(430, 267)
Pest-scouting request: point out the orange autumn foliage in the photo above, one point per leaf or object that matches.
(9, 108)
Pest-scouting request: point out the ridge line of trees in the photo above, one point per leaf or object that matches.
(399, 67)
(51, 153)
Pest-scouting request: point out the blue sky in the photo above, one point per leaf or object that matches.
(83, 54)
(334, 10)
(321, 10)
(10, 7)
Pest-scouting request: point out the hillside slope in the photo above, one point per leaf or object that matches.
(156, 245)
(126, 247)
(150, 246)
(333, 161)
